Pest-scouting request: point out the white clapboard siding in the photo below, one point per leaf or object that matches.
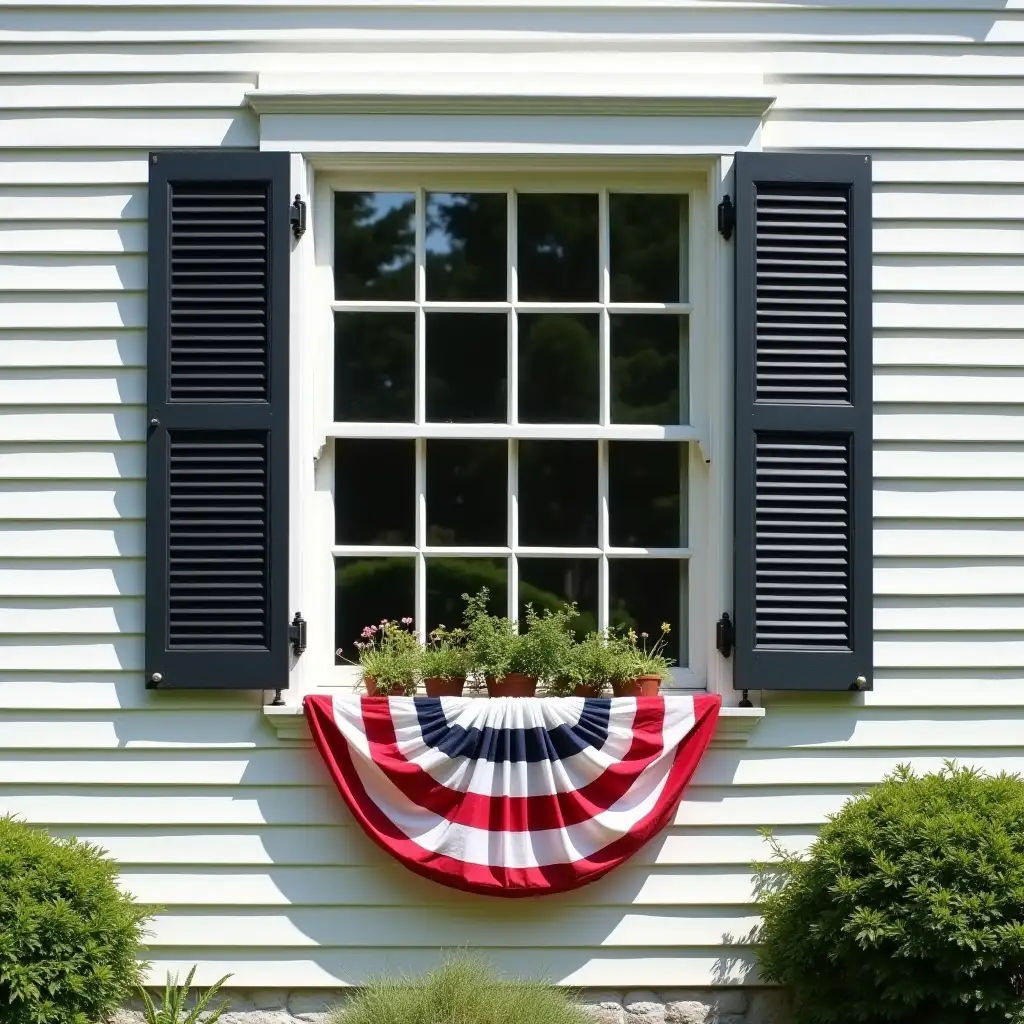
(72, 347)
(86, 273)
(238, 834)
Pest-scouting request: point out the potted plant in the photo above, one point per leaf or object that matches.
(496, 650)
(445, 662)
(643, 667)
(546, 648)
(594, 664)
(390, 656)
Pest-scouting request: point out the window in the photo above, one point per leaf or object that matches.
(511, 400)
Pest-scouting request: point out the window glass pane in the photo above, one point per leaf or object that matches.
(649, 379)
(374, 367)
(366, 591)
(449, 578)
(645, 592)
(467, 487)
(467, 247)
(558, 368)
(558, 248)
(467, 357)
(374, 245)
(645, 494)
(558, 493)
(375, 492)
(552, 582)
(647, 238)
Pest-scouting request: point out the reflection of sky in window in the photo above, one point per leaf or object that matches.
(384, 203)
(438, 203)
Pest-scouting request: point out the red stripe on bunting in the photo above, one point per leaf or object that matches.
(515, 813)
(491, 879)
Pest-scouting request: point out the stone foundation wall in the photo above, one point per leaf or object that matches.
(673, 1006)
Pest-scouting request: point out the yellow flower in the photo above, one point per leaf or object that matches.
(666, 628)
(632, 635)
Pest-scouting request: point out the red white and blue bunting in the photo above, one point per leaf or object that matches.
(512, 796)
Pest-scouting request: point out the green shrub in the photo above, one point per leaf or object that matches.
(461, 991)
(68, 935)
(909, 907)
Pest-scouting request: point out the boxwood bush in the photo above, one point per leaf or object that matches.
(68, 935)
(909, 907)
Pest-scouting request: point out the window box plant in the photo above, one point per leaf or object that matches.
(446, 661)
(592, 666)
(497, 650)
(646, 667)
(390, 657)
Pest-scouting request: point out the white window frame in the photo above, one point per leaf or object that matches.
(709, 399)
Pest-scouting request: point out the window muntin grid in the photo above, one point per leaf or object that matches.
(603, 431)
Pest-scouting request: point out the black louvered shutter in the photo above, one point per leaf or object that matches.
(217, 451)
(803, 422)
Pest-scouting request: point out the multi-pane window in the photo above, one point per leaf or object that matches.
(511, 376)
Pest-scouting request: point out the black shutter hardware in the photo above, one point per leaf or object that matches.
(803, 422)
(726, 217)
(217, 462)
(297, 217)
(725, 635)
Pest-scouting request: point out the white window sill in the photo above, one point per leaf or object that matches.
(734, 725)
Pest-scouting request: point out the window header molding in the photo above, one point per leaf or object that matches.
(552, 93)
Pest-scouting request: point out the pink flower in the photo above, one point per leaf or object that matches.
(407, 621)
(383, 622)
(368, 631)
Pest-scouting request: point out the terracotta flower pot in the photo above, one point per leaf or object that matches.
(515, 684)
(438, 687)
(642, 686)
(587, 690)
(397, 690)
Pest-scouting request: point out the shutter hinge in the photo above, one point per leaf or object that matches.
(726, 217)
(725, 635)
(297, 634)
(297, 216)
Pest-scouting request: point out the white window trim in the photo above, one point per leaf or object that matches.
(710, 365)
(595, 123)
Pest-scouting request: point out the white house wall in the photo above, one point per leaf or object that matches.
(240, 837)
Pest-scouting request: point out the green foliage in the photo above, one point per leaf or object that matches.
(461, 991)
(68, 935)
(176, 1008)
(909, 907)
(391, 653)
(599, 659)
(446, 655)
(494, 642)
(546, 646)
(640, 658)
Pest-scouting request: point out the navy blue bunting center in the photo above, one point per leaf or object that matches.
(526, 744)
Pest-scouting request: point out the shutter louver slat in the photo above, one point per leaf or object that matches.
(213, 229)
(803, 421)
(217, 465)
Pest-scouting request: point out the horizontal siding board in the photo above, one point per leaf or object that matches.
(930, 238)
(87, 166)
(79, 577)
(56, 423)
(946, 499)
(106, 691)
(46, 616)
(951, 424)
(72, 347)
(1006, 541)
(98, 312)
(953, 348)
(580, 965)
(48, 541)
(128, 129)
(948, 274)
(72, 461)
(55, 273)
(69, 204)
(50, 237)
(366, 885)
(120, 93)
(72, 387)
(31, 499)
(966, 576)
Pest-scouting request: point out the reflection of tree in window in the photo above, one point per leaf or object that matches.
(558, 247)
(374, 245)
(466, 246)
(558, 368)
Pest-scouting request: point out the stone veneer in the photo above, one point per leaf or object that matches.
(673, 1006)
